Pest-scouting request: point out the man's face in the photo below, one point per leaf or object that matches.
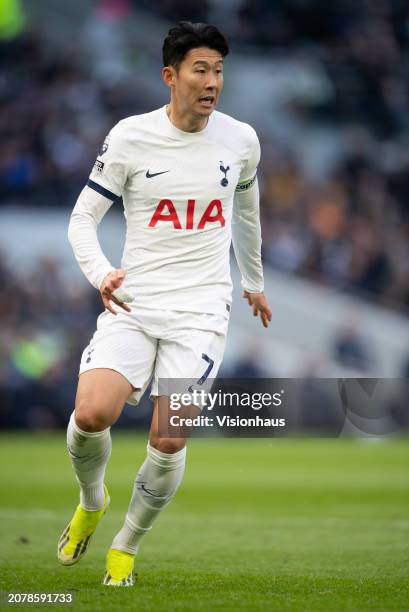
(198, 82)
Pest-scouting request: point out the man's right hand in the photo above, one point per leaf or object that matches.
(112, 281)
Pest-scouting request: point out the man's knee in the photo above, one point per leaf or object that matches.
(167, 445)
(90, 417)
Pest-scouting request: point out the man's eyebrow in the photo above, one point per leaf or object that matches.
(200, 61)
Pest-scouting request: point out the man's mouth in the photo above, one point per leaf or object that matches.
(207, 100)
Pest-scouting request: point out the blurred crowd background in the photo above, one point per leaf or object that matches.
(332, 116)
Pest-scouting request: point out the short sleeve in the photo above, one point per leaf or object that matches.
(249, 171)
(110, 171)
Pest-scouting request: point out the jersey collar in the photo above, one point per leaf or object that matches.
(172, 130)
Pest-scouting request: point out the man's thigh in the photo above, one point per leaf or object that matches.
(120, 346)
(101, 395)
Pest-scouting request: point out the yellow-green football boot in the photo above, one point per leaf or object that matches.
(119, 569)
(75, 538)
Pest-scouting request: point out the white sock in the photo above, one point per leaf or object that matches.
(89, 453)
(156, 483)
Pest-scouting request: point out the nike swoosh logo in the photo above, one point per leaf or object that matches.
(149, 175)
(152, 493)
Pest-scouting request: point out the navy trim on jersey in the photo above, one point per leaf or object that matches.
(105, 192)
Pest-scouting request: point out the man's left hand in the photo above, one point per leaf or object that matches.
(260, 306)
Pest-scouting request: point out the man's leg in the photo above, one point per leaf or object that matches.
(100, 398)
(156, 483)
(189, 344)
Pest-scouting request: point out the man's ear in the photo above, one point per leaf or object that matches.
(168, 75)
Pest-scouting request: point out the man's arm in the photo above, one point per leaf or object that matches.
(105, 186)
(246, 232)
(88, 212)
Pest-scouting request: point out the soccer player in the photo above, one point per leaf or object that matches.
(187, 177)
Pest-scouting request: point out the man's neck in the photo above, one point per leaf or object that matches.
(185, 122)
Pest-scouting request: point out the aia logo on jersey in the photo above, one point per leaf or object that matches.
(166, 212)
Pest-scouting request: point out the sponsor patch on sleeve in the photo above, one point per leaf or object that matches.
(244, 185)
(99, 165)
(105, 145)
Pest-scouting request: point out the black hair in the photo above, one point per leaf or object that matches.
(186, 35)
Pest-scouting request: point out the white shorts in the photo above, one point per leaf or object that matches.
(163, 344)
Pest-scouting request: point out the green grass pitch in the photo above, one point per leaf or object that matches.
(280, 525)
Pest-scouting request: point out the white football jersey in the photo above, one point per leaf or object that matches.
(177, 189)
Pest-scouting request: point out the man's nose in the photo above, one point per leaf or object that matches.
(212, 81)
